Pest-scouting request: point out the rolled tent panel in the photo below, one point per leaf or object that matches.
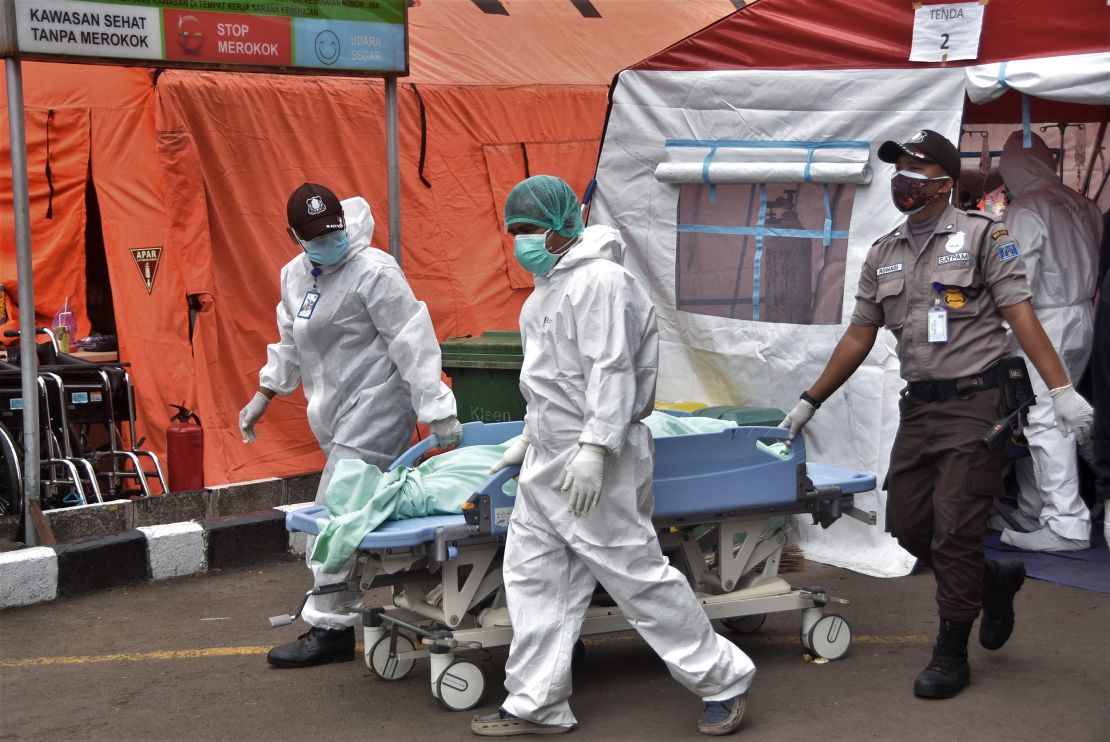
(1079, 78)
(764, 161)
(763, 172)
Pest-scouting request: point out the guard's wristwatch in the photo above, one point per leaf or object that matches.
(806, 398)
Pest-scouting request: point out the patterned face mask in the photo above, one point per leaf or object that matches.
(910, 191)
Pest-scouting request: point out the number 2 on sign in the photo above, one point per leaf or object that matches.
(944, 44)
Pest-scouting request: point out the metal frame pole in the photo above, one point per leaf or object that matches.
(393, 168)
(28, 359)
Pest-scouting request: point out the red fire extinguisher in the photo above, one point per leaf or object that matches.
(185, 451)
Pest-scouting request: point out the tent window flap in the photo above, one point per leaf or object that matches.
(766, 252)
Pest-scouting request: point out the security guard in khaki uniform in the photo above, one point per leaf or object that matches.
(943, 282)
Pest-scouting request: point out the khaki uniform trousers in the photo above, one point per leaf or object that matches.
(941, 482)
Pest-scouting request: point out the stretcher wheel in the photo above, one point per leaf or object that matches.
(745, 624)
(830, 637)
(461, 686)
(379, 662)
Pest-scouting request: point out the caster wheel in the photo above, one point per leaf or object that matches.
(745, 624)
(380, 664)
(461, 686)
(830, 637)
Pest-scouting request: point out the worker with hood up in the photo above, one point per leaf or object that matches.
(364, 349)
(583, 510)
(1059, 232)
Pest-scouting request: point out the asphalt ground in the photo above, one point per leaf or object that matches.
(185, 660)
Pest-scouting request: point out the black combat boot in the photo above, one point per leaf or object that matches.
(316, 646)
(1001, 581)
(948, 673)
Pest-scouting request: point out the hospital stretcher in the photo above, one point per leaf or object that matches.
(720, 502)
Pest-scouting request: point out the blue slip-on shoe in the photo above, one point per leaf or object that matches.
(503, 724)
(722, 717)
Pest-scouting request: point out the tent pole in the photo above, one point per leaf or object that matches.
(393, 166)
(28, 359)
(1094, 154)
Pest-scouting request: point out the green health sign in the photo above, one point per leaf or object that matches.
(319, 36)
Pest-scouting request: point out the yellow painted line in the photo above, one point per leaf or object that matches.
(856, 639)
(210, 652)
(778, 639)
(169, 654)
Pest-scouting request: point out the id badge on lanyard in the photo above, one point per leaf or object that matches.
(938, 320)
(308, 304)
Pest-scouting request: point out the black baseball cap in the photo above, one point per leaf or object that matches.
(925, 145)
(314, 210)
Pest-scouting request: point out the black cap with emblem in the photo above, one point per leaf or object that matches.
(925, 145)
(313, 210)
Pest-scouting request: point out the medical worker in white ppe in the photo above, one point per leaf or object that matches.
(583, 510)
(364, 349)
(1059, 232)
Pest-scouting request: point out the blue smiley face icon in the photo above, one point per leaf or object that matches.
(327, 47)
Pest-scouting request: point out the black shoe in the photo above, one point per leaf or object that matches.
(1001, 581)
(317, 646)
(949, 672)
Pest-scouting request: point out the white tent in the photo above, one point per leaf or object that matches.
(739, 165)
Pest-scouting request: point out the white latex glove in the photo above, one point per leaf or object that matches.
(1073, 414)
(449, 431)
(514, 454)
(250, 414)
(797, 419)
(584, 478)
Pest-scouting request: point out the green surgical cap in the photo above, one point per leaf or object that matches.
(545, 201)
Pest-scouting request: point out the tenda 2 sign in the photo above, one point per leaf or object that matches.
(340, 36)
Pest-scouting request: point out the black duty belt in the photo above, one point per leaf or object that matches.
(939, 391)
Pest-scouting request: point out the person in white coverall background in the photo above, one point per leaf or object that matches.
(583, 510)
(364, 349)
(1059, 232)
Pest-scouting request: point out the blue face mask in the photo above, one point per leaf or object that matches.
(327, 249)
(531, 252)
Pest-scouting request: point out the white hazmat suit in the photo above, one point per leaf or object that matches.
(588, 377)
(1059, 232)
(368, 359)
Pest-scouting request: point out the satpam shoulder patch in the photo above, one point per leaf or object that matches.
(998, 233)
(1008, 251)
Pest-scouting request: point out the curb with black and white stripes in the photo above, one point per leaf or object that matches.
(42, 573)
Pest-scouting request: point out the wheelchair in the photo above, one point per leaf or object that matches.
(86, 435)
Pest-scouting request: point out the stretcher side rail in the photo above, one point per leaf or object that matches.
(759, 482)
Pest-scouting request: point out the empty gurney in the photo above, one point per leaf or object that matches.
(720, 505)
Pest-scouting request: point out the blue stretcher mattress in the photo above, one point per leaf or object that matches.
(696, 477)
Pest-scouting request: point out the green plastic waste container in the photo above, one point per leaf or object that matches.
(764, 416)
(485, 376)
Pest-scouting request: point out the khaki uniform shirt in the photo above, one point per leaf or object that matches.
(975, 263)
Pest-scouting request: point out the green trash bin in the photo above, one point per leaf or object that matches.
(763, 416)
(485, 376)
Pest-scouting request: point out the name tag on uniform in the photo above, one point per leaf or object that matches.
(308, 304)
(938, 325)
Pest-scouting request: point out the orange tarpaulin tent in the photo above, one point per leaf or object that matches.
(183, 175)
